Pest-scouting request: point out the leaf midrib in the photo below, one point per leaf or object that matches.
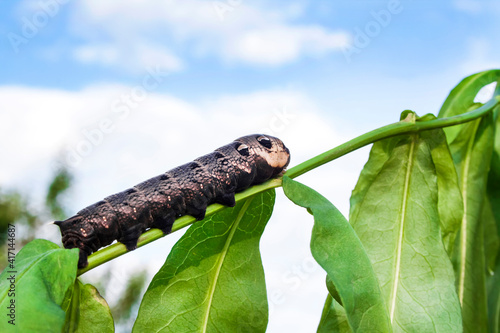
(220, 262)
(401, 228)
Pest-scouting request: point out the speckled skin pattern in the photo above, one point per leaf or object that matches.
(185, 190)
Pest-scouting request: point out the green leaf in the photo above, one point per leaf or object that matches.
(492, 209)
(333, 318)
(461, 98)
(395, 212)
(492, 233)
(43, 275)
(213, 279)
(472, 150)
(450, 204)
(87, 311)
(337, 249)
(333, 290)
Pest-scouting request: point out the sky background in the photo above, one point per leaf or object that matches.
(124, 90)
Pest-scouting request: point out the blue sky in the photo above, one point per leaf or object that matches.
(76, 86)
(419, 51)
(423, 38)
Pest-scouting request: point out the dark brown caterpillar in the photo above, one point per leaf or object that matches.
(185, 190)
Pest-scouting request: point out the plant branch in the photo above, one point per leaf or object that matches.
(399, 128)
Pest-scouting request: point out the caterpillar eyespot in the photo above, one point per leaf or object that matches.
(243, 150)
(185, 190)
(263, 140)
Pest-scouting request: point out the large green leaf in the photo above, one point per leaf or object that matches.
(395, 212)
(461, 98)
(43, 273)
(213, 279)
(472, 151)
(335, 246)
(87, 311)
(471, 146)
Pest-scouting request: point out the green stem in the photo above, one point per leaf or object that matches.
(399, 128)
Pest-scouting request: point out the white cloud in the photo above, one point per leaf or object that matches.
(135, 58)
(480, 56)
(469, 6)
(162, 131)
(97, 53)
(283, 44)
(31, 131)
(477, 6)
(243, 34)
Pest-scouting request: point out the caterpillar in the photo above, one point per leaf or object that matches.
(184, 190)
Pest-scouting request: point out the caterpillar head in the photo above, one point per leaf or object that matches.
(269, 153)
(76, 234)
